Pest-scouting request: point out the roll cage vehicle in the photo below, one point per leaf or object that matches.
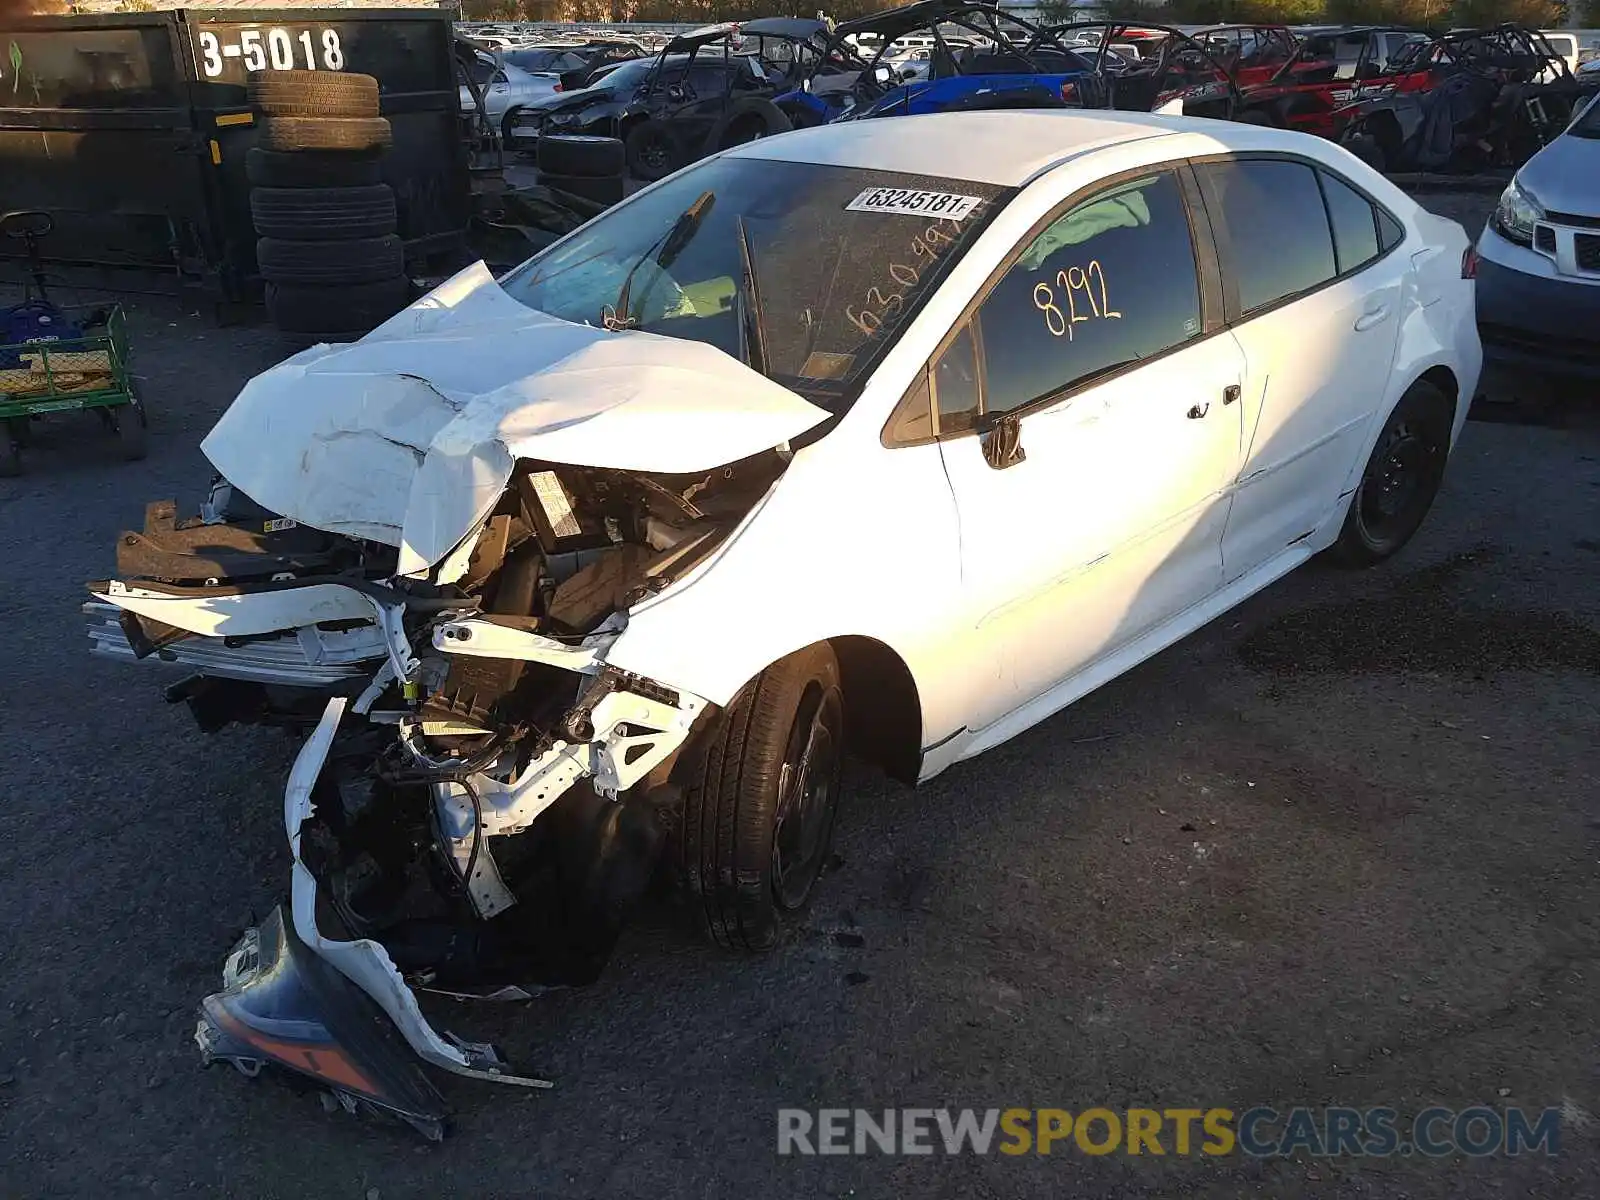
(1178, 73)
(1498, 96)
(891, 437)
(670, 123)
(1252, 54)
(598, 55)
(1331, 70)
(1006, 62)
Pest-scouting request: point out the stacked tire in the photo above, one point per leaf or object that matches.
(591, 168)
(329, 249)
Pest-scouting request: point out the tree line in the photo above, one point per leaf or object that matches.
(1423, 14)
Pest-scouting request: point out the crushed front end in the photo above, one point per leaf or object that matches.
(480, 799)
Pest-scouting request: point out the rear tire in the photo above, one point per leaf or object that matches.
(1401, 478)
(654, 151)
(760, 803)
(747, 121)
(1368, 149)
(312, 94)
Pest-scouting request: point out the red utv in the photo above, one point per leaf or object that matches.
(1331, 70)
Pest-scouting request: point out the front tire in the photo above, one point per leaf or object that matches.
(760, 803)
(1401, 479)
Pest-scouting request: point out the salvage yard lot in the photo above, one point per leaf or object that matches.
(1339, 848)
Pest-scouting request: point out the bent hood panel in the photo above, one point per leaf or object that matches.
(409, 436)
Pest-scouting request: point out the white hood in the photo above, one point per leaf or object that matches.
(409, 436)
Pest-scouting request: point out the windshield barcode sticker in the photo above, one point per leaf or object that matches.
(911, 202)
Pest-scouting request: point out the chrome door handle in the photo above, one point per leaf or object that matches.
(1368, 319)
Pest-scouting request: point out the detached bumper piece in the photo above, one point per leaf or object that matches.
(283, 1005)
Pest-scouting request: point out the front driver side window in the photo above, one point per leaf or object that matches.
(1110, 282)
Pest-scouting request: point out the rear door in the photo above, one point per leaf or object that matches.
(1313, 295)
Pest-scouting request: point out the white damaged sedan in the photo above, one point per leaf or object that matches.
(893, 437)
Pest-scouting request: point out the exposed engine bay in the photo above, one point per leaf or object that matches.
(481, 799)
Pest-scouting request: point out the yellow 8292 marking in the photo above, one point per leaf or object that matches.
(1088, 280)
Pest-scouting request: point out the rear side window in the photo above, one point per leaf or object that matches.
(1390, 232)
(1355, 224)
(1274, 228)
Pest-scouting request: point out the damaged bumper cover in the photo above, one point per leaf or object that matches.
(303, 994)
(364, 962)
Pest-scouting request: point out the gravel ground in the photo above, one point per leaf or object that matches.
(1338, 848)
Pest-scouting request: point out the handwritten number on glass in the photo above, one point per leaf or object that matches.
(1091, 282)
(882, 307)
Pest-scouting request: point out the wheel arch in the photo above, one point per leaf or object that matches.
(882, 706)
(1437, 374)
(1443, 378)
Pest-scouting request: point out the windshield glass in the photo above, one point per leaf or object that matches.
(629, 75)
(1588, 123)
(840, 257)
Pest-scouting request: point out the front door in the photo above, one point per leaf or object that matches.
(1108, 518)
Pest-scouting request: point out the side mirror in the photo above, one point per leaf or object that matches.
(883, 75)
(677, 93)
(1000, 437)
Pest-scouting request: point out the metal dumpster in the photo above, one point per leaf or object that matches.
(131, 130)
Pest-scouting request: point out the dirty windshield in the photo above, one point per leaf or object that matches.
(803, 270)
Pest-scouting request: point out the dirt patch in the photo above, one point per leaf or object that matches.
(1421, 626)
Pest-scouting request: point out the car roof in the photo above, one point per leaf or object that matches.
(1006, 148)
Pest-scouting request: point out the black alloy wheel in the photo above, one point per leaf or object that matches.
(808, 797)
